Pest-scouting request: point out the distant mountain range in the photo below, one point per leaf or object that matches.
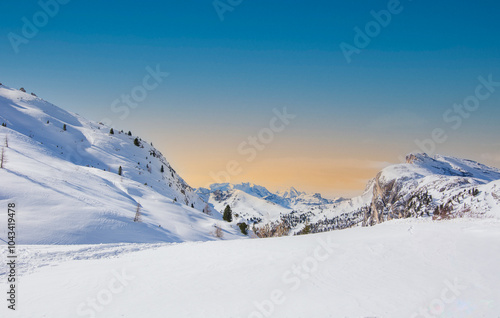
(439, 187)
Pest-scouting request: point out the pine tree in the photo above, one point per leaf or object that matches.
(111, 131)
(162, 170)
(192, 205)
(129, 133)
(243, 228)
(136, 142)
(306, 229)
(120, 170)
(228, 214)
(64, 127)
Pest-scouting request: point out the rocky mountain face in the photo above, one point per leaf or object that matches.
(425, 186)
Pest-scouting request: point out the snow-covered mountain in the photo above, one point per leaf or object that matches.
(62, 171)
(439, 187)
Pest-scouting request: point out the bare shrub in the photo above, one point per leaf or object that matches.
(137, 217)
(218, 233)
(273, 229)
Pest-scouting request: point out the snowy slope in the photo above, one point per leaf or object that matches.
(67, 188)
(402, 268)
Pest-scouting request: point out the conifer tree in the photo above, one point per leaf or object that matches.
(306, 229)
(120, 171)
(243, 228)
(111, 131)
(228, 214)
(136, 142)
(64, 127)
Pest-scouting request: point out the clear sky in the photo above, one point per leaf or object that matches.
(231, 64)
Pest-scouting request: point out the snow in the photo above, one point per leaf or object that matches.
(395, 269)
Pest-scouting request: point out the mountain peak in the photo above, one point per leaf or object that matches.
(289, 193)
(412, 157)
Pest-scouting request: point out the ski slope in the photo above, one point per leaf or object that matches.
(401, 268)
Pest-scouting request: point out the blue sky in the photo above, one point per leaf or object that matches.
(227, 76)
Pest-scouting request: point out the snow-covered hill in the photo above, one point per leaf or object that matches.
(63, 173)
